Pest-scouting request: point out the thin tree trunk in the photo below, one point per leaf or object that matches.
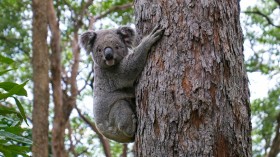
(40, 65)
(59, 123)
(193, 97)
(124, 151)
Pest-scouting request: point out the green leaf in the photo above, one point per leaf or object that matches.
(15, 137)
(14, 150)
(5, 60)
(21, 110)
(7, 86)
(6, 110)
(13, 91)
(16, 130)
(10, 121)
(5, 71)
(5, 151)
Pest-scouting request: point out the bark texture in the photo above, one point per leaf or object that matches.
(193, 97)
(41, 79)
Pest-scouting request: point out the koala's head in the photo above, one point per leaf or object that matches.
(108, 47)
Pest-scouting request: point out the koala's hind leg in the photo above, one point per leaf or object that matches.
(124, 118)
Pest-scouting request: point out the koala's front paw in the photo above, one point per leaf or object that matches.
(156, 34)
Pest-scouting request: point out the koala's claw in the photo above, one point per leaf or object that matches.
(159, 32)
(157, 35)
(155, 29)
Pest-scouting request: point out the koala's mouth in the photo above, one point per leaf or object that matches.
(110, 62)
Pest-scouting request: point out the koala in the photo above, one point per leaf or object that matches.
(116, 70)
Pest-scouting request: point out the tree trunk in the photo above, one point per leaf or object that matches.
(193, 97)
(41, 80)
(59, 122)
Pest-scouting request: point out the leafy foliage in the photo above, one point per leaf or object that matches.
(264, 37)
(262, 30)
(14, 33)
(265, 112)
(13, 140)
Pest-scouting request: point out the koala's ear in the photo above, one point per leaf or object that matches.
(127, 34)
(87, 40)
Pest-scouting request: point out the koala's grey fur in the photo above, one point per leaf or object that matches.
(115, 73)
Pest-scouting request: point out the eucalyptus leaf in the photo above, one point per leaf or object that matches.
(5, 71)
(5, 60)
(13, 91)
(15, 137)
(22, 112)
(7, 86)
(7, 110)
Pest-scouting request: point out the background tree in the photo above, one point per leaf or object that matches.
(193, 96)
(41, 79)
(64, 79)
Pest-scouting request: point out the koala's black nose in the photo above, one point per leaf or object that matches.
(108, 52)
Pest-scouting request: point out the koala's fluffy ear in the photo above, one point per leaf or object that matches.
(127, 34)
(87, 40)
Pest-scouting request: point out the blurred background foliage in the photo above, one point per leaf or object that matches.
(14, 139)
(261, 27)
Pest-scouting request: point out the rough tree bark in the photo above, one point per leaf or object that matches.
(193, 97)
(41, 79)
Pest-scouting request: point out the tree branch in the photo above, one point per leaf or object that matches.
(86, 81)
(269, 21)
(124, 151)
(93, 19)
(275, 149)
(74, 74)
(79, 18)
(72, 146)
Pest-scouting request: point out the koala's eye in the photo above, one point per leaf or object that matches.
(99, 50)
(117, 47)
